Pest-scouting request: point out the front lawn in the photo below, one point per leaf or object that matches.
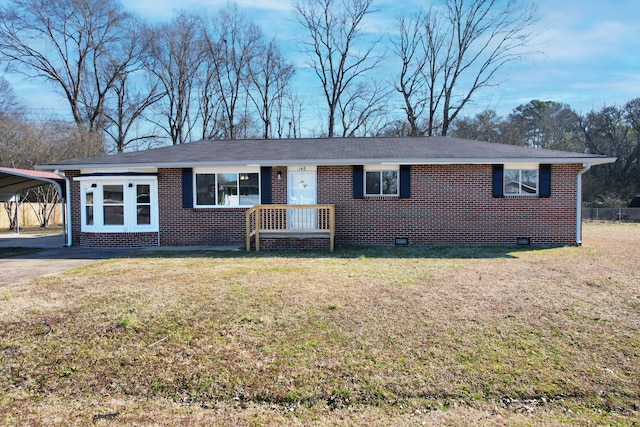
(395, 336)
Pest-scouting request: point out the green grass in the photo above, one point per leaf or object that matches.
(366, 336)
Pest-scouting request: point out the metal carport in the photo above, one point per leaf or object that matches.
(13, 181)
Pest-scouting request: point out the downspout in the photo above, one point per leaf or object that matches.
(66, 217)
(579, 204)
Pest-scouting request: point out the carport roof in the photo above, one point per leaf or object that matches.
(13, 180)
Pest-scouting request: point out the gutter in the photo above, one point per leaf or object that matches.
(66, 215)
(579, 203)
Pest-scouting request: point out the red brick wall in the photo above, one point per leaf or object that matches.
(451, 204)
(190, 226)
(279, 186)
(118, 240)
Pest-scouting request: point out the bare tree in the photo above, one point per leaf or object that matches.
(448, 54)
(177, 53)
(9, 104)
(19, 141)
(126, 106)
(334, 34)
(25, 143)
(73, 44)
(362, 109)
(43, 200)
(419, 45)
(209, 109)
(485, 36)
(289, 109)
(11, 209)
(129, 105)
(270, 75)
(411, 82)
(435, 29)
(233, 44)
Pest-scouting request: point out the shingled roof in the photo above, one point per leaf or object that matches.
(335, 151)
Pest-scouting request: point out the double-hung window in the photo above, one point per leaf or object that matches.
(520, 182)
(226, 188)
(381, 182)
(521, 179)
(119, 204)
(113, 204)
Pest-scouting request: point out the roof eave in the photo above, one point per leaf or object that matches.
(336, 162)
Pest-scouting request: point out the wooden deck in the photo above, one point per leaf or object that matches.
(290, 221)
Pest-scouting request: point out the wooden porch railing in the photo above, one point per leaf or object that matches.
(284, 221)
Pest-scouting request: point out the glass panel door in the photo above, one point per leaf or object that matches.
(302, 191)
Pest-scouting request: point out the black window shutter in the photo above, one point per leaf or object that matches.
(358, 182)
(405, 181)
(498, 179)
(187, 188)
(544, 175)
(265, 185)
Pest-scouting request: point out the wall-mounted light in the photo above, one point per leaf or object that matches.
(94, 185)
(279, 175)
(244, 177)
(130, 185)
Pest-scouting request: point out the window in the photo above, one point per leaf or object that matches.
(143, 204)
(381, 183)
(520, 182)
(88, 209)
(227, 189)
(113, 204)
(119, 204)
(375, 181)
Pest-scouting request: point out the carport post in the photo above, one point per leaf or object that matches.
(16, 218)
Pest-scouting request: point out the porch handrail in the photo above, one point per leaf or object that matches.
(290, 220)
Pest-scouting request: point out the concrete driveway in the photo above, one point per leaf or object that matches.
(54, 258)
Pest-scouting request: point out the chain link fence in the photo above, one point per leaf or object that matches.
(611, 214)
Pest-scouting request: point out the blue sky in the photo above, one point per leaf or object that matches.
(589, 52)
(590, 49)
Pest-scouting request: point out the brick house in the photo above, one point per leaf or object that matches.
(363, 191)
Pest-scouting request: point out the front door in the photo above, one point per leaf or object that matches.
(302, 191)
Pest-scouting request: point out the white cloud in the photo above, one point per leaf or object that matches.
(581, 30)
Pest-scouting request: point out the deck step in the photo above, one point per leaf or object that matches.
(294, 234)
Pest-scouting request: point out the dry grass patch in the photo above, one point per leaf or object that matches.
(404, 336)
